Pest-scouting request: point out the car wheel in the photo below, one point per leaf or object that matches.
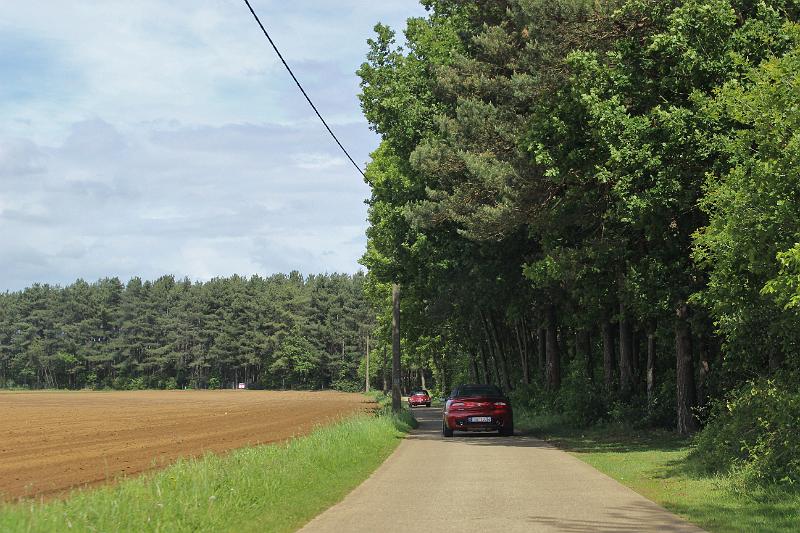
(446, 431)
(507, 431)
(428, 404)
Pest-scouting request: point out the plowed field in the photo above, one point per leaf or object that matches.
(53, 441)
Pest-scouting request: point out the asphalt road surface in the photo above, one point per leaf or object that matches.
(483, 483)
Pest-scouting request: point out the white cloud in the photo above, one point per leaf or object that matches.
(151, 137)
(193, 201)
(197, 62)
(310, 161)
(19, 158)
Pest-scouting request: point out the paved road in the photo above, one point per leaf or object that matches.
(482, 483)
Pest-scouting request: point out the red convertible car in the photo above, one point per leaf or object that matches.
(419, 397)
(477, 408)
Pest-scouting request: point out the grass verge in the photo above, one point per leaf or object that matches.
(655, 464)
(275, 487)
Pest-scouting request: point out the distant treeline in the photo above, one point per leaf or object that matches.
(283, 331)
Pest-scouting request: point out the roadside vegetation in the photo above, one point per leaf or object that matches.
(266, 488)
(737, 474)
(667, 469)
(595, 205)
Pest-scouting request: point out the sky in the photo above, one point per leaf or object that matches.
(164, 137)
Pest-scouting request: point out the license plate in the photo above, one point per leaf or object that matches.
(479, 419)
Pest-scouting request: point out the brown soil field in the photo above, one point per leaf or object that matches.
(54, 441)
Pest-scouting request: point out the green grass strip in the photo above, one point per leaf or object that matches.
(275, 487)
(655, 464)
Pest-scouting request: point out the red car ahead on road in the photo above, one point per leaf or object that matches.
(477, 408)
(419, 397)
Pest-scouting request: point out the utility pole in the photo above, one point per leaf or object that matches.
(396, 348)
(366, 379)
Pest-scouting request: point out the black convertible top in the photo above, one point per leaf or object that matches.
(477, 390)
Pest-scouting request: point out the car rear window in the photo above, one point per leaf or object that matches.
(419, 393)
(478, 390)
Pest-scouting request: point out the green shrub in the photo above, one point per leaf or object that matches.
(624, 414)
(347, 385)
(533, 398)
(755, 434)
(580, 399)
(136, 384)
(578, 403)
(662, 411)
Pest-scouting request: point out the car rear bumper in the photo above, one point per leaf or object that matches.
(463, 422)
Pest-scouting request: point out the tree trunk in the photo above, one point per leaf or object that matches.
(396, 407)
(503, 353)
(608, 355)
(445, 373)
(651, 364)
(484, 364)
(366, 368)
(504, 380)
(583, 343)
(473, 369)
(553, 361)
(496, 366)
(776, 357)
(566, 344)
(704, 350)
(625, 354)
(541, 353)
(687, 423)
(522, 345)
(384, 372)
(491, 348)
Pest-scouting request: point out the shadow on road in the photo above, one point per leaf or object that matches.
(635, 517)
(430, 427)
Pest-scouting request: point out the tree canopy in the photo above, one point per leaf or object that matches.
(598, 192)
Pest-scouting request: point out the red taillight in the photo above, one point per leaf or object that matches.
(500, 404)
(457, 404)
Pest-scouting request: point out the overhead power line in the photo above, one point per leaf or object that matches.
(299, 86)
